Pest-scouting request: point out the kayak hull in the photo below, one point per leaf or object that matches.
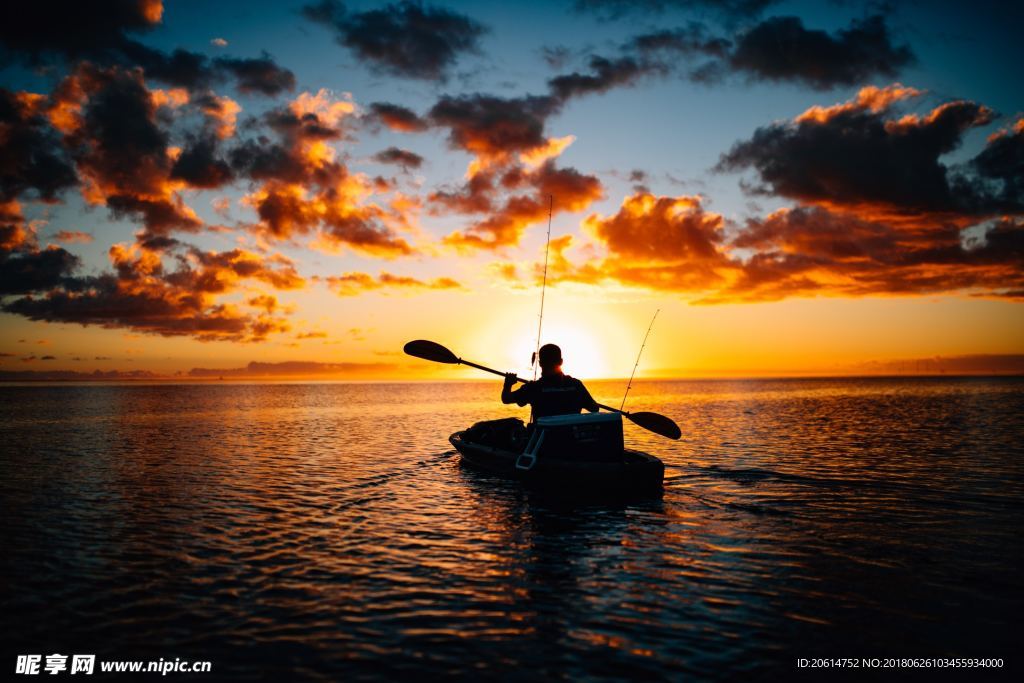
(635, 472)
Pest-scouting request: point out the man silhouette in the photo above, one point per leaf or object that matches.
(555, 393)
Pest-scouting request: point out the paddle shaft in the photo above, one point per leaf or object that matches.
(487, 369)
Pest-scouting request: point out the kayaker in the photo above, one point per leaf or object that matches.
(555, 393)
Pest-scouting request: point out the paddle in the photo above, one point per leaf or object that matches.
(432, 351)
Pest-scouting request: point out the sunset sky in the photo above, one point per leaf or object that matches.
(799, 188)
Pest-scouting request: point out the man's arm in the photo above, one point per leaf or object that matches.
(587, 400)
(520, 396)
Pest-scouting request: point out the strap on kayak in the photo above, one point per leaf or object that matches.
(528, 458)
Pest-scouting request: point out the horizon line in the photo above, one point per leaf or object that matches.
(86, 378)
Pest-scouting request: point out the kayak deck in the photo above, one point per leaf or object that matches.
(635, 471)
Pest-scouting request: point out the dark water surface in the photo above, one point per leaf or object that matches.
(327, 531)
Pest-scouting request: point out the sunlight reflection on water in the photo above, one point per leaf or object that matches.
(326, 530)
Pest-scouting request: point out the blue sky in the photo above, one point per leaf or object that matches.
(660, 123)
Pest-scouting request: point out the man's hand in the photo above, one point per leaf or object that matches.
(510, 379)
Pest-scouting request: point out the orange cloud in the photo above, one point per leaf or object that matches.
(532, 158)
(672, 244)
(870, 98)
(323, 105)
(122, 155)
(173, 98)
(305, 190)
(12, 226)
(664, 243)
(73, 237)
(141, 294)
(152, 10)
(572, 190)
(223, 111)
(351, 284)
(660, 229)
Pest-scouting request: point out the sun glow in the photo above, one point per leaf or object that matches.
(581, 351)
(596, 343)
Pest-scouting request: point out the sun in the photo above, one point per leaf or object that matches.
(581, 351)
(592, 341)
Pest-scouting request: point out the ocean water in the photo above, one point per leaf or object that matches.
(328, 532)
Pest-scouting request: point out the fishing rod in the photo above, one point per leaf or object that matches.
(629, 385)
(535, 359)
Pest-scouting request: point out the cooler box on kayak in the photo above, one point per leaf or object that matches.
(595, 437)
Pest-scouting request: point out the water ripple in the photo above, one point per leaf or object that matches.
(326, 531)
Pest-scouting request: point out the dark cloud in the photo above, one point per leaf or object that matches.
(778, 49)
(488, 125)
(46, 32)
(24, 267)
(262, 159)
(604, 75)
(72, 376)
(31, 157)
(259, 75)
(812, 251)
(120, 142)
(1002, 163)
(860, 156)
(158, 243)
(179, 68)
(38, 32)
(973, 364)
(690, 40)
(397, 117)
(33, 270)
(726, 10)
(106, 305)
(294, 368)
(404, 39)
(302, 126)
(141, 294)
(401, 157)
(200, 164)
(781, 49)
(160, 215)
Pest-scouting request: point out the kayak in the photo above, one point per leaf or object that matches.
(578, 453)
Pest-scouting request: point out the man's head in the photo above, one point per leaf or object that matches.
(549, 358)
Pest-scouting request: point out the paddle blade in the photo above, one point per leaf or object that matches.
(659, 424)
(428, 350)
